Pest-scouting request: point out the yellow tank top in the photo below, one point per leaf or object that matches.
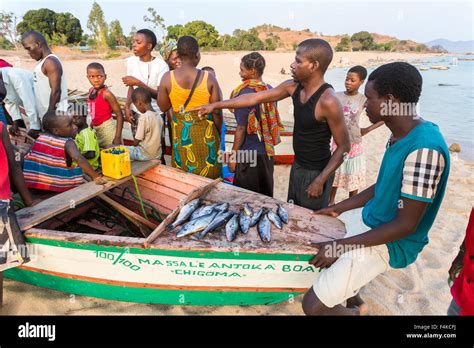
(178, 95)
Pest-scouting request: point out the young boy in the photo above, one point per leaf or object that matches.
(143, 70)
(258, 130)
(351, 174)
(101, 105)
(50, 164)
(13, 251)
(398, 210)
(147, 141)
(86, 140)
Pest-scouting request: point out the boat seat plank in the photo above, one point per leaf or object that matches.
(31, 216)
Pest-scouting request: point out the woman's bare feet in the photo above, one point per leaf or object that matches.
(357, 302)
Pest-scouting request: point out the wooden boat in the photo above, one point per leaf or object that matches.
(160, 268)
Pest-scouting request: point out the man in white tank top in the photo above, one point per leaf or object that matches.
(49, 78)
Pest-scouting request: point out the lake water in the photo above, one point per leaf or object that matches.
(450, 107)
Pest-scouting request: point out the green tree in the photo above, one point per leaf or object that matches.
(5, 44)
(269, 44)
(8, 32)
(57, 28)
(365, 38)
(42, 20)
(129, 38)
(68, 26)
(116, 37)
(175, 31)
(97, 25)
(344, 45)
(205, 33)
(155, 19)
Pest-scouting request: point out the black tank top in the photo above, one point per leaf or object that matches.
(310, 137)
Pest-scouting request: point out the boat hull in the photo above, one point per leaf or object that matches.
(165, 276)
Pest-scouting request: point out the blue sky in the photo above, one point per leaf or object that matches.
(417, 20)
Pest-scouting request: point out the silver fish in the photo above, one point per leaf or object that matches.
(275, 219)
(248, 209)
(222, 207)
(201, 211)
(263, 228)
(232, 227)
(220, 219)
(184, 213)
(244, 220)
(283, 214)
(256, 217)
(196, 225)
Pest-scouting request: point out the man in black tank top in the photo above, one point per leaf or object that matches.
(318, 116)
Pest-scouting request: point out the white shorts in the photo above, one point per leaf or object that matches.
(353, 269)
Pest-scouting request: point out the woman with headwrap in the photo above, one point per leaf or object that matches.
(169, 52)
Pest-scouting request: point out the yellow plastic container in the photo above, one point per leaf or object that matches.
(116, 166)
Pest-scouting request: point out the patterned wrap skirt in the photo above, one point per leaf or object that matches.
(196, 145)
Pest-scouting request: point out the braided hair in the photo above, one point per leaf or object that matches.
(255, 61)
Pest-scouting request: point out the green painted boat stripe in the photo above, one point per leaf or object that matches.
(148, 295)
(176, 253)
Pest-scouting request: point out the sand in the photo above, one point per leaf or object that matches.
(420, 289)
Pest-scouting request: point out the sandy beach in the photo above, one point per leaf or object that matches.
(420, 289)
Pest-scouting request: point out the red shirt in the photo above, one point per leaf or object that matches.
(5, 192)
(100, 109)
(4, 64)
(463, 286)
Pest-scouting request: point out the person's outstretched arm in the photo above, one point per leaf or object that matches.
(15, 173)
(282, 91)
(75, 154)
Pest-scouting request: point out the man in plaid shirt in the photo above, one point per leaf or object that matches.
(398, 210)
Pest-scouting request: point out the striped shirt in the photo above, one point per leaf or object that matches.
(45, 166)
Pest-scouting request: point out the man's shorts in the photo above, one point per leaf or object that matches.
(353, 269)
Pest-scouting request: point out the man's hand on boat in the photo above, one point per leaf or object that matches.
(326, 256)
(204, 110)
(329, 211)
(100, 180)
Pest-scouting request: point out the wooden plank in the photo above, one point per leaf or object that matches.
(196, 193)
(177, 175)
(151, 197)
(31, 216)
(67, 216)
(160, 189)
(85, 238)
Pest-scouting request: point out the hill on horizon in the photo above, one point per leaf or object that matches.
(453, 46)
(287, 39)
